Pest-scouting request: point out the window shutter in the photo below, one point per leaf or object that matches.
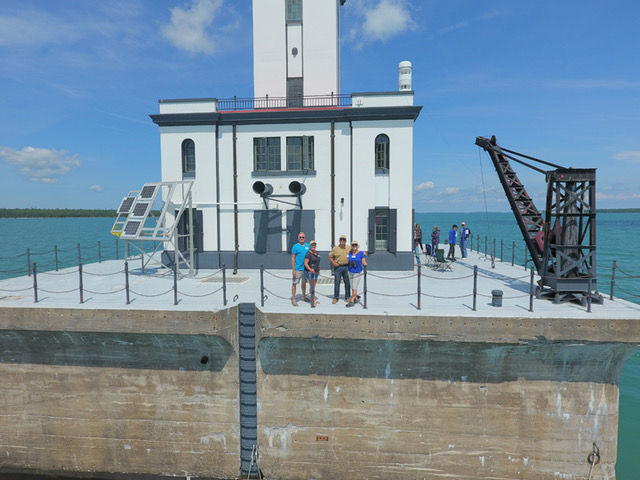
(372, 231)
(393, 220)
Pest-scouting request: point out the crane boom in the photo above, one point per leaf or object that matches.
(528, 217)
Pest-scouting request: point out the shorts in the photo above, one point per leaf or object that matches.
(310, 276)
(355, 280)
(297, 276)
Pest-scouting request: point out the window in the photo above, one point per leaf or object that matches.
(382, 153)
(299, 153)
(266, 154)
(294, 11)
(294, 92)
(382, 229)
(188, 159)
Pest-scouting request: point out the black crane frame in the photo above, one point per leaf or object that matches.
(563, 243)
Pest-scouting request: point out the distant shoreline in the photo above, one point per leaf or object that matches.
(111, 213)
(56, 213)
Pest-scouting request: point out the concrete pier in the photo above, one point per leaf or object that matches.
(150, 391)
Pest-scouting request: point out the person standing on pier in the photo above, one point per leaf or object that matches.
(298, 253)
(417, 237)
(453, 238)
(311, 270)
(464, 236)
(435, 239)
(357, 262)
(339, 260)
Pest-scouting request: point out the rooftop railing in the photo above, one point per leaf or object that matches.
(268, 103)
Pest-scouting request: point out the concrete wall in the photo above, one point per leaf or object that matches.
(118, 391)
(155, 394)
(438, 398)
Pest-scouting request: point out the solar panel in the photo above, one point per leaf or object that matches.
(131, 228)
(125, 206)
(148, 191)
(140, 209)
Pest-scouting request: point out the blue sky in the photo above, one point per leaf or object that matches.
(555, 80)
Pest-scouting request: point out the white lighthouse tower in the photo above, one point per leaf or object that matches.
(296, 50)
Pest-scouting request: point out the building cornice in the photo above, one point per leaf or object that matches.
(271, 117)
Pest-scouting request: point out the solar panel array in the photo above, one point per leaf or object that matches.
(125, 206)
(141, 209)
(148, 191)
(132, 228)
(138, 211)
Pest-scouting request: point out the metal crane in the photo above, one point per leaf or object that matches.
(563, 243)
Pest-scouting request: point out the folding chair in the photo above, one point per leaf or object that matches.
(442, 262)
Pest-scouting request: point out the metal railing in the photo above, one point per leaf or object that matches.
(266, 103)
(80, 258)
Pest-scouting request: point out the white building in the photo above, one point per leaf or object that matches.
(299, 156)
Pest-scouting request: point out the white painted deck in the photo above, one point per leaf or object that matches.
(444, 292)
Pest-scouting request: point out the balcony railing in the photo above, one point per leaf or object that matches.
(318, 101)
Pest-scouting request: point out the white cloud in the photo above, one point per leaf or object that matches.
(382, 20)
(96, 188)
(452, 190)
(424, 186)
(41, 165)
(33, 28)
(629, 156)
(190, 26)
(618, 196)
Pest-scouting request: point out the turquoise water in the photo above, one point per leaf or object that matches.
(614, 232)
(615, 235)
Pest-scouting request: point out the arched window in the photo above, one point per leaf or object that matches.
(188, 158)
(382, 153)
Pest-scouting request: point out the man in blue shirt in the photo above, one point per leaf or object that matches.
(298, 253)
(453, 237)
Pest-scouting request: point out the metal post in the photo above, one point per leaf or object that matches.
(126, 280)
(613, 279)
(262, 285)
(79, 255)
(486, 249)
(494, 248)
(471, 246)
(224, 285)
(589, 294)
(116, 248)
(55, 253)
(419, 289)
(81, 286)
(513, 253)
(531, 291)
(99, 253)
(364, 294)
(475, 286)
(28, 262)
(175, 284)
(526, 260)
(501, 250)
(35, 283)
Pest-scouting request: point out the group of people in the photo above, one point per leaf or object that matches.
(435, 240)
(348, 267)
